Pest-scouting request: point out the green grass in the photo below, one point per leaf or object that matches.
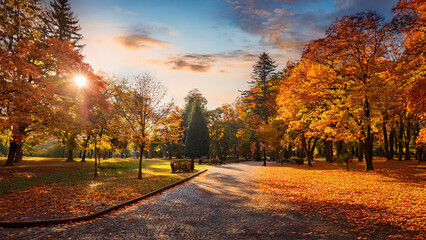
(25, 183)
(38, 171)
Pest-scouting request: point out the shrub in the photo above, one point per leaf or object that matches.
(182, 166)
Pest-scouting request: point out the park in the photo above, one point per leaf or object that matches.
(280, 120)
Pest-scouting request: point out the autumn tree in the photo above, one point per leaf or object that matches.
(410, 21)
(141, 105)
(170, 130)
(355, 48)
(223, 126)
(19, 25)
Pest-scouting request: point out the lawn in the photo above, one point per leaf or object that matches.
(391, 199)
(43, 188)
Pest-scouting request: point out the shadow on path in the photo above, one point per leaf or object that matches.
(223, 204)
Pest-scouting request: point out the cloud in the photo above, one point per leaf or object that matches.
(192, 62)
(139, 36)
(136, 41)
(205, 62)
(290, 24)
(351, 6)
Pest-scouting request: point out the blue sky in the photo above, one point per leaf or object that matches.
(205, 44)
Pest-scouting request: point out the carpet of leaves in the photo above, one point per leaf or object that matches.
(58, 190)
(393, 196)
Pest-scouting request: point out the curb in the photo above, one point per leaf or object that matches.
(94, 215)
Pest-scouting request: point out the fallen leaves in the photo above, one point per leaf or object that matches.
(392, 196)
(67, 197)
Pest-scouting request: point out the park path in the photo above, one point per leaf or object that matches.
(220, 204)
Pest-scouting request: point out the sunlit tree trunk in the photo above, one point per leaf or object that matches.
(86, 143)
(142, 146)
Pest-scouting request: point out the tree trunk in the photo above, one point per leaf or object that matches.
(170, 150)
(142, 146)
(420, 153)
(407, 141)
(96, 159)
(368, 150)
(70, 153)
(391, 142)
(309, 150)
(386, 142)
(95, 154)
(360, 151)
(12, 151)
(339, 148)
(328, 145)
(401, 132)
(264, 154)
(83, 159)
(19, 153)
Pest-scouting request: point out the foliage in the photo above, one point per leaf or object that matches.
(182, 166)
(141, 107)
(197, 134)
(61, 23)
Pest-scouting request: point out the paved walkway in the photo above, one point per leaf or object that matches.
(219, 204)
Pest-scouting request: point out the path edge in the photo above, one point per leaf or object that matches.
(94, 215)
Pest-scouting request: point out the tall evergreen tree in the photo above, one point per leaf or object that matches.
(193, 95)
(263, 80)
(260, 100)
(197, 136)
(62, 23)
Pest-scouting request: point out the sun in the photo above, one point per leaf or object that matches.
(80, 81)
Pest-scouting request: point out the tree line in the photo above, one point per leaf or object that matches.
(360, 91)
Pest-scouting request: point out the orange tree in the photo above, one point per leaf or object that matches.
(411, 22)
(355, 49)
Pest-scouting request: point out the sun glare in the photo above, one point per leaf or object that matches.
(80, 81)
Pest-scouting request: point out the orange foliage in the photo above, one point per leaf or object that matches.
(392, 196)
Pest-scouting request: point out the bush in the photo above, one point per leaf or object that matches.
(182, 166)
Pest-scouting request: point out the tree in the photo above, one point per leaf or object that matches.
(260, 99)
(410, 21)
(223, 125)
(61, 23)
(197, 134)
(191, 97)
(141, 106)
(355, 47)
(170, 130)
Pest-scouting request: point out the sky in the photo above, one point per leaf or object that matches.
(206, 44)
